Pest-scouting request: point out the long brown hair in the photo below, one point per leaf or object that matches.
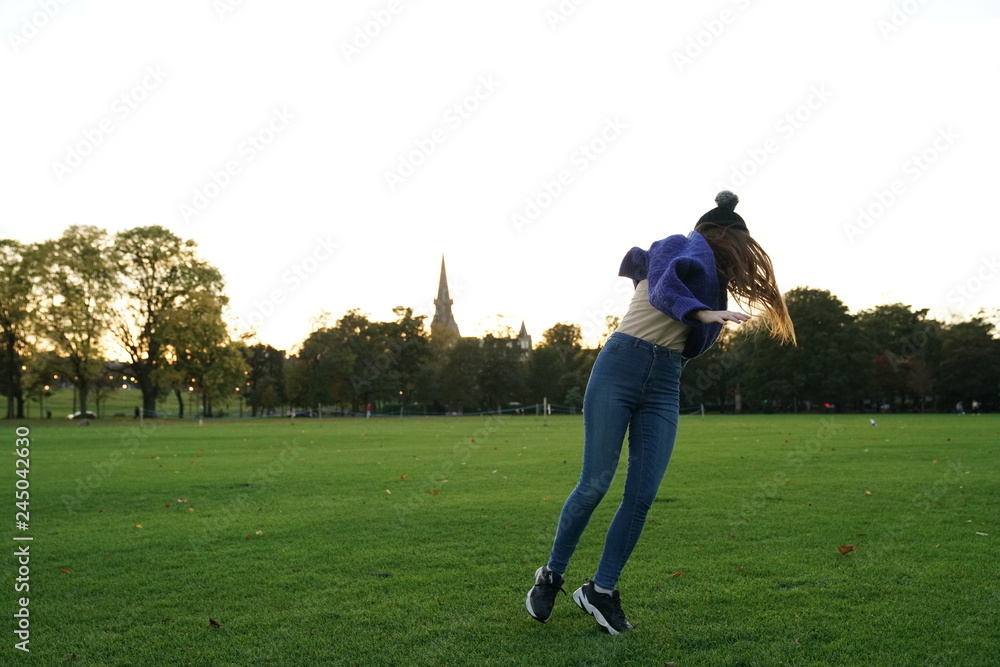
(747, 270)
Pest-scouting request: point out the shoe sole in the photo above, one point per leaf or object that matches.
(581, 601)
(527, 604)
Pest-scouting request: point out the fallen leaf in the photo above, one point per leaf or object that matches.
(797, 641)
(676, 574)
(72, 656)
(259, 532)
(402, 476)
(214, 623)
(868, 493)
(138, 525)
(166, 504)
(388, 491)
(978, 533)
(182, 500)
(62, 569)
(846, 549)
(937, 545)
(934, 461)
(190, 509)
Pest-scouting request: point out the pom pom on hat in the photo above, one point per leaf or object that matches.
(724, 214)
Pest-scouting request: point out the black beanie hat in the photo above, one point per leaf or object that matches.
(724, 214)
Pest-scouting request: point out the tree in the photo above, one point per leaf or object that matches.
(903, 349)
(199, 352)
(460, 375)
(264, 381)
(320, 374)
(501, 370)
(160, 273)
(970, 364)
(18, 267)
(410, 344)
(824, 368)
(559, 368)
(74, 296)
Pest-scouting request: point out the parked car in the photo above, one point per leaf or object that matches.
(82, 415)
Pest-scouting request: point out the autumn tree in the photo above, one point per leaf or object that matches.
(18, 266)
(199, 352)
(160, 273)
(74, 298)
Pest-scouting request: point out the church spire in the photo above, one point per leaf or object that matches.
(443, 318)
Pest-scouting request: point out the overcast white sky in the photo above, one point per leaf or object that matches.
(323, 168)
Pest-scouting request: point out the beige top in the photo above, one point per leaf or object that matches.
(647, 323)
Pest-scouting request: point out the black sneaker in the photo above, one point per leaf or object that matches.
(605, 607)
(542, 596)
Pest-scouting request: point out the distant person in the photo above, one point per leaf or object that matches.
(975, 407)
(960, 409)
(677, 313)
(368, 411)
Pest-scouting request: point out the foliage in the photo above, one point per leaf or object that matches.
(162, 276)
(74, 297)
(19, 264)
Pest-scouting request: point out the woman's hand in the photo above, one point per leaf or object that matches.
(719, 316)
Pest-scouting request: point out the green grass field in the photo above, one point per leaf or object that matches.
(414, 542)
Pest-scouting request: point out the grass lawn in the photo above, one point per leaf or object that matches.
(414, 541)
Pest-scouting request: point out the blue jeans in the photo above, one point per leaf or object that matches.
(635, 385)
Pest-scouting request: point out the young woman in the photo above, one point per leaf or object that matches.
(677, 313)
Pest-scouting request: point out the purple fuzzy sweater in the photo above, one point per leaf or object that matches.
(682, 279)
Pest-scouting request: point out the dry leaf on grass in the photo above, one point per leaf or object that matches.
(846, 549)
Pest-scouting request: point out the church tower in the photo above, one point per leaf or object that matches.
(443, 326)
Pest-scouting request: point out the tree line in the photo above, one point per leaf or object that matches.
(141, 304)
